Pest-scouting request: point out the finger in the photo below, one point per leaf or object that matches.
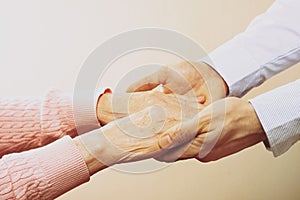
(201, 99)
(211, 91)
(188, 130)
(147, 83)
(172, 155)
(179, 134)
(189, 107)
(203, 95)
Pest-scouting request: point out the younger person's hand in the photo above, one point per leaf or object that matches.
(221, 129)
(186, 78)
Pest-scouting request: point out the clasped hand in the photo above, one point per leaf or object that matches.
(193, 123)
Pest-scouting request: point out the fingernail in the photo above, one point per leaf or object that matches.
(107, 90)
(201, 99)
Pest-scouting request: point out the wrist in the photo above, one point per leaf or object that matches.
(219, 79)
(93, 164)
(254, 122)
(224, 84)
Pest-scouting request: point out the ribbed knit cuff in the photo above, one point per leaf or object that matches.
(57, 117)
(85, 111)
(63, 166)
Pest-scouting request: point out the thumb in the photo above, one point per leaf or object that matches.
(179, 134)
(148, 82)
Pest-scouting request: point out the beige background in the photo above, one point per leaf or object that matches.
(43, 43)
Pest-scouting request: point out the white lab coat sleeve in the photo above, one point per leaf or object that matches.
(279, 113)
(270, 44)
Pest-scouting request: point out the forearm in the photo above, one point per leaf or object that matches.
(279, 113)
(93, 164)
(31, 122)
(43, 173)
(50, 171)
(20, 127)
(270, 44)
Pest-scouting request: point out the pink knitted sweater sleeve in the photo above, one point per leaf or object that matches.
(49, 171)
